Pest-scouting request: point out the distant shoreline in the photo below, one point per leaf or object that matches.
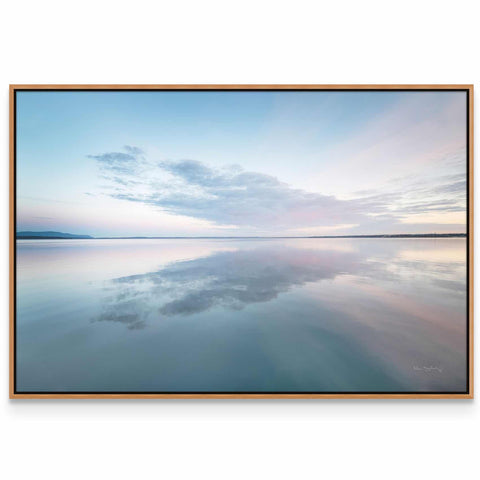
(400, 235)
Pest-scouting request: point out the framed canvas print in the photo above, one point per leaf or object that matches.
(241, 241)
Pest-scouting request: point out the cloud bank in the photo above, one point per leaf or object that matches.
(236, 198)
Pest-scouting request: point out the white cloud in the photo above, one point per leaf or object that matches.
(231, 197)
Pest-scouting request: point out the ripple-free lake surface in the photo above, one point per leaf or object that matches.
(241, 315)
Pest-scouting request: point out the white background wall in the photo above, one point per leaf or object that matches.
(224, 42)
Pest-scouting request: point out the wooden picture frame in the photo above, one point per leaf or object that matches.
(468, 394)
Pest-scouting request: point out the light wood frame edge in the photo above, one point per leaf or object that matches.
(14, 395)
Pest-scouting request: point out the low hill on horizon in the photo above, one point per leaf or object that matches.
(35, 235)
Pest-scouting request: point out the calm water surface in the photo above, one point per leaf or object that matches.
(236, 315)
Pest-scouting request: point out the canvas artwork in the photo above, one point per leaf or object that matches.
(241, 241)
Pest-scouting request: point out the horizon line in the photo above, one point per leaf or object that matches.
(66, 236)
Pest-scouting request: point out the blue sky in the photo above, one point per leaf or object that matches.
(241, 163)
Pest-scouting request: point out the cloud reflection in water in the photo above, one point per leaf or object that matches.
(226, 279)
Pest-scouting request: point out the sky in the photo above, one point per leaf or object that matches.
(225, 163)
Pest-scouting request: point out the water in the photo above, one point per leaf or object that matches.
(241, 315)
